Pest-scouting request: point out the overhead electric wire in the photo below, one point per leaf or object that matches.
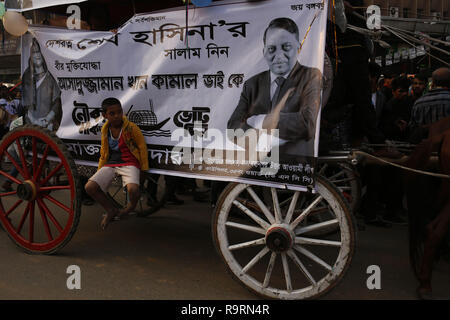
(442, 18)
(366, 31)
(402, 38)
(423, 35)
(423, 43)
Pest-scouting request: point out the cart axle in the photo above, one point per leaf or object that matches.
(279, 239)
(27, 191)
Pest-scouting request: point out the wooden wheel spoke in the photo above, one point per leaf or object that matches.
(45, 221)
(250, 204)
(249, 213)
(42, 162)
(7, 194)
(269, 270)
(245, 227)
(261, 204)
(51, 174)
(315, 211)
(343, 180)
(59, 204)
(302, 268)
(276, 205)
(55, 188)
(31, 223)
(317, 242)
(292, 206)
(316, 226)
(313, 257)
(247, 244)
(306, 212)
(287, 273)
(322, 170)
(34, 161)
(15, 164)
(24, 217)
(7, 175)
(22, 158)
(285, 202)
(255, 259)
(18, 202)
(49, 214)
(340, 173)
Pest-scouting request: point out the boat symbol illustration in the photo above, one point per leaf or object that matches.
(147, 121)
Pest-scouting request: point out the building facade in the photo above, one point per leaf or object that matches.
(416, 9)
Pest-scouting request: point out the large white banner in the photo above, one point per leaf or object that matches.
(26, 5)
(234, 94)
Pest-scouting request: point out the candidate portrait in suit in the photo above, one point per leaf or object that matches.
(286, 97)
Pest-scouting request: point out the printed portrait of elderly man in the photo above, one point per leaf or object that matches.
(285, 97)
(41, 95)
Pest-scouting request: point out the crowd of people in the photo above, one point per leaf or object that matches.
(411, 103)
(374, 106)
(403, 108)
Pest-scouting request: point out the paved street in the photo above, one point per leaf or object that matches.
(170, 255)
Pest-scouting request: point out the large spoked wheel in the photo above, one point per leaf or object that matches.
(41, 211)
(271, 249)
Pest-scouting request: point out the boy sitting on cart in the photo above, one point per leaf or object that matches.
(123, 152)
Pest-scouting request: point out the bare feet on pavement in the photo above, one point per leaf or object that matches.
(107, 218)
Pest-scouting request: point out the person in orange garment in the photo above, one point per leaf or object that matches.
(123, 152)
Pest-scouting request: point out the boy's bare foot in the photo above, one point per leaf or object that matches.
(107, 218)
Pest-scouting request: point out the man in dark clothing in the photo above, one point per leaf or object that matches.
(433, 106)
(372, 174)
(378, 98)
(394, 122)
(384, 186)
(419, 85)
(397, 112)
(387, 85)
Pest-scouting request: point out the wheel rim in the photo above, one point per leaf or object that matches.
(292, 272)
(39, 213)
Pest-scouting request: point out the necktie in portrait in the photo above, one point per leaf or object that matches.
(279, 81)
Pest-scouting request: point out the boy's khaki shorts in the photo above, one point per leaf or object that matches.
(104, 176)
